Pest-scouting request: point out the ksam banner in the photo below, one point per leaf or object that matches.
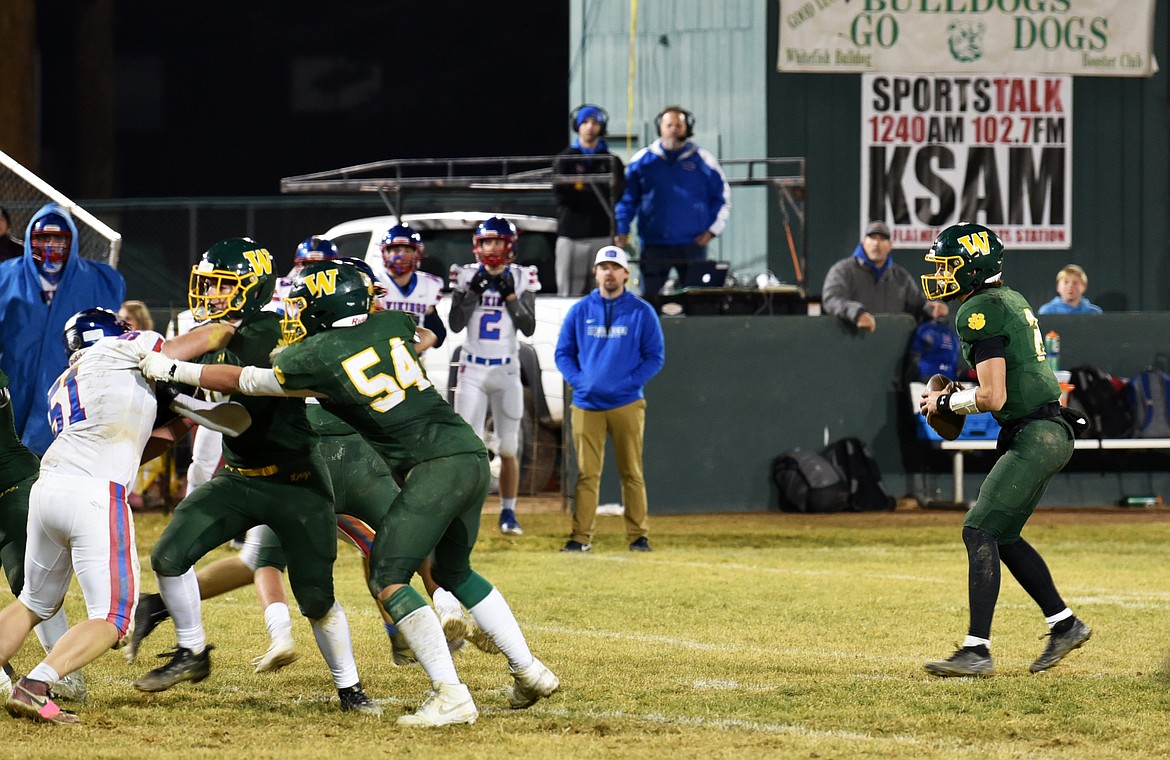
(1080, 37)
(993, 149)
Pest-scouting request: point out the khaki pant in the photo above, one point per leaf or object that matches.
(625, 425)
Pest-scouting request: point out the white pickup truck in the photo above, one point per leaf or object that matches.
(447, 237)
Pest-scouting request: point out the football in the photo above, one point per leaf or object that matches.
(947, 424)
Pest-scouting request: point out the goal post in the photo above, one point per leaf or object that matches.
(23, 193)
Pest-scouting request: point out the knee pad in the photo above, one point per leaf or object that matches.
(981, 545)
(169, 563)
(314, 604)
(471, 590)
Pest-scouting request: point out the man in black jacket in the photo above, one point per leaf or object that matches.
(585, 208)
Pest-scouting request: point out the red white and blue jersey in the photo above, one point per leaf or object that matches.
(491, 333)
(422, 292)
(102, 411)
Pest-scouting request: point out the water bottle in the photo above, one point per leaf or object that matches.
(1052, 348)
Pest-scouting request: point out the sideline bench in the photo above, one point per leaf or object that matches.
(958, 448)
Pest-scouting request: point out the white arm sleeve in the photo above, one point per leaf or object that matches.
(258, 381)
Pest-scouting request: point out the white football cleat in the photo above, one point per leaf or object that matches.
(283, 651)
(448, 704)
(71, 688)
(457, 628)
(532, 682)
(402, 654)
(5, 682)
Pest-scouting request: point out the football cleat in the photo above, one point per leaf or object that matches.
(446, 705)
(640, 545)
(353, 699)
(32, 699)
(508, 524)
(185, 665)
(964, 662)
(147, 615)
(6, 681)
(71, 688)
(532, 682)
(576, 546)
(481, 640)
(456, 628)
(281, 652)
(402, 654)
(1060, 644)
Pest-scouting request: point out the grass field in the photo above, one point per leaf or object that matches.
(762, 635)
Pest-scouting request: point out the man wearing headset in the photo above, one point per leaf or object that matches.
(680, 196)
(585, 207)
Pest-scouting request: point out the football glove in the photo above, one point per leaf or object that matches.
(504, 284)
(480, 281)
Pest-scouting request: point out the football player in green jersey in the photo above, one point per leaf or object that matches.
(18, 471)
(365, 370)
(274, 475)
(1001, 339)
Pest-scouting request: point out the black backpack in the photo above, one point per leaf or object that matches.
(867, 492)
(1095, 394)
(809, 483)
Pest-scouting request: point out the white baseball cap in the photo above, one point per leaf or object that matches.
(614, 254)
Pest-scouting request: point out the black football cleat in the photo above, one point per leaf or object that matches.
(184, 666)
(147, 615)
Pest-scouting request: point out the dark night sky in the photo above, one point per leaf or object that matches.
(225, 98)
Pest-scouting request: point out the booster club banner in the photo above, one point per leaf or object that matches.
(1083, 37)
(992, 149)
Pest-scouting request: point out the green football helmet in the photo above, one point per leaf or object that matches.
(964, 256)
(326, 294)
(234, 279)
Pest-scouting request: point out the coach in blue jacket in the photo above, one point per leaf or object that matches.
(609, 347)
(680, 197)
(38, 293)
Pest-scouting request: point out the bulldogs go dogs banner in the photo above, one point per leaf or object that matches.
(995, 149)
(1079, 37)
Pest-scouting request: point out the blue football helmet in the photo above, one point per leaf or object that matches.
(316, 249)
(50, 239)
(495, 227)
(401, 262)
(88, 326)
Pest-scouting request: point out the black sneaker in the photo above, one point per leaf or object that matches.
(576, 546)
(353, 699)
(184, 666)
(640, 545)
(1060, 644)
(150, 612)
(964, 662)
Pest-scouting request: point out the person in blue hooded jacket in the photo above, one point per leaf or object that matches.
(609, 347)
(38, 292)
(680, 196)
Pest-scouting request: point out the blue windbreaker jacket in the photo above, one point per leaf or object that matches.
(32, 343)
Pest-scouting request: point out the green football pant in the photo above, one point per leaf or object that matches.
(1019, 479)
(437, 511)
(363, 487)
(14, 531)
(296, 503)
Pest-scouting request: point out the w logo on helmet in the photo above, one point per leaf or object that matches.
(322, 283)
(260, 259)
(976, 243)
